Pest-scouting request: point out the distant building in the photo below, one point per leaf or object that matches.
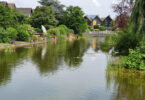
(11, 5)
(26, 11)
(107, 22)
(88, 20)
(97, 21)
(3, 3)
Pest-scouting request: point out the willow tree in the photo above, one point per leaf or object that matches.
(137, 20)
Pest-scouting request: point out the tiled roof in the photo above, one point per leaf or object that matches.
(11, 5)
(26, 11)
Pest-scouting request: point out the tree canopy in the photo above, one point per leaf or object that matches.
(56, 5)
(73, 19)
(7, 17)
(43, 16)
(11, 17)
(137, 21)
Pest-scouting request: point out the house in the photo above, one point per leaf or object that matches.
(107, 22)
(97, 21)
(88, 20)
(26, 11)
(3, 3)
(11, 5)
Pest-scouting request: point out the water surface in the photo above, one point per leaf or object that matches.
(62, 70)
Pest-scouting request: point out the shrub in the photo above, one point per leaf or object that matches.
(23, 33)
(126, 41)
(96, 27)
(90, 28)
(54, 31)
(64, 30)
(12, 33)
(38, 30)
(135, 59)
(101, 28)
(4, 36)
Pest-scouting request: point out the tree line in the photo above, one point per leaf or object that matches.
(57, 19)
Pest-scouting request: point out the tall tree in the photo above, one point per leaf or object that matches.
(43, 16)
(73, 19)
(123, 10)
(137, 21)
(56, 5)
(7, 17)
(11, 17)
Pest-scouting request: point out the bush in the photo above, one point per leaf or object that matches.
(90, 28)
(38, 30)
(135, 59)
(12, 33)
(23, 33)
(4, 36)
(96, 27)
(126, 41)
(62, 31)
(54, 31)
(101, 28)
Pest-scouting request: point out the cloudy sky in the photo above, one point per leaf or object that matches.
(90, 7)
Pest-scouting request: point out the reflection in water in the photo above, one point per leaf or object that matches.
(8, 61)
(127, 85)
(55, 55)
(26, 71)
(47, 57)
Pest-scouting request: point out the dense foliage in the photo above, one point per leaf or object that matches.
(61, 31)
(43, 16)
(14, 25)
(11, 17)
(132, 36)
(23, 33)
(135, 59)
(126, 41)
(56, 5)
(73, 19)
(137, 21)
(6, 36)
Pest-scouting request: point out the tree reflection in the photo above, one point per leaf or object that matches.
(75, 52)
(58, 55)
(48, 57)
(127, 84)
(8, 61)
(52, 58)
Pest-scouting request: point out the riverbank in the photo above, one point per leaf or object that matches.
(19, 44)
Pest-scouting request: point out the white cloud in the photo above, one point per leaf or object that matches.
(96, 3)
(114, 2)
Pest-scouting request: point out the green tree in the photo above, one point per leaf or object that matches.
(56, 5)
(6, 17)
(43, 16)
(20, 17)
(11, 17)
(73, 19)
(137, 21)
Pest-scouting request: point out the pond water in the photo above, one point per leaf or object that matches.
(62, 70)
